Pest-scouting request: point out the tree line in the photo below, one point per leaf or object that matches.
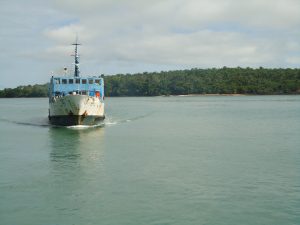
(224, 80)
(37, 90)
(205, 81)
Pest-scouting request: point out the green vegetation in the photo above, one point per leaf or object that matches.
(36, 90)
(206, 81)
(182, 82)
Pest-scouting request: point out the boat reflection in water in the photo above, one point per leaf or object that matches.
(76, 147)
(75, 171)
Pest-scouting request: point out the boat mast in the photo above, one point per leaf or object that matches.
(76, 58)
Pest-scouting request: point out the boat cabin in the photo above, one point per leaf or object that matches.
(62, 86)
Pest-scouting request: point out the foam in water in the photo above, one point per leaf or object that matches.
(80, 127)
(107, 122)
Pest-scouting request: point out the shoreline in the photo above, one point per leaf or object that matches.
(211, 95)
(188, 95)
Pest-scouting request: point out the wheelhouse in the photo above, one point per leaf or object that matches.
(62, 86)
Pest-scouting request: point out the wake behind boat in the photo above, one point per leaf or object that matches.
(76, 100)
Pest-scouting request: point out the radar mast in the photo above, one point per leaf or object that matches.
(76, 58)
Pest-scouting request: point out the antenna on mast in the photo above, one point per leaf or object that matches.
(76, 58)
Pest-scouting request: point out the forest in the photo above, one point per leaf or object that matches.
(259, 81)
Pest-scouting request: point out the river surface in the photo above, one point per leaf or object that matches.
(155, 160)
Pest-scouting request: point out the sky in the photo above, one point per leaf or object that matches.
(131, 36)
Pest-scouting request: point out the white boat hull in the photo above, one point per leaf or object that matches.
(76, 110)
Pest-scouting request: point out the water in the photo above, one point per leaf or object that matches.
(157, 160)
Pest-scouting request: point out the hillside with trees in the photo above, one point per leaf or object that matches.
(28, 91)
(206, 81)
(225, 80)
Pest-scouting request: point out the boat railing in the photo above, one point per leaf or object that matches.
(91, 93)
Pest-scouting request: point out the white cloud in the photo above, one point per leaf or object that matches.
(134, 35)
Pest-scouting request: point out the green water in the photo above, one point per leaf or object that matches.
(157, 160)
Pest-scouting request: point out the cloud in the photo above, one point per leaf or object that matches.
(138, 35)
(167, 31)
(182, 13)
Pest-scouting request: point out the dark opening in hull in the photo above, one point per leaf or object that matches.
(72, 120)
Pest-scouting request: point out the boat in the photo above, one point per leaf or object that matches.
(76, 100)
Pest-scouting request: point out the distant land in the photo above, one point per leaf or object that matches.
(260, 81)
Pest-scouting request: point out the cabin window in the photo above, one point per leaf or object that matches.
(91, 82)
(64, 81)
(57, 81)
(83, 92)
(77, 81)
(71, 81)
(97, 81)
(83, 81)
